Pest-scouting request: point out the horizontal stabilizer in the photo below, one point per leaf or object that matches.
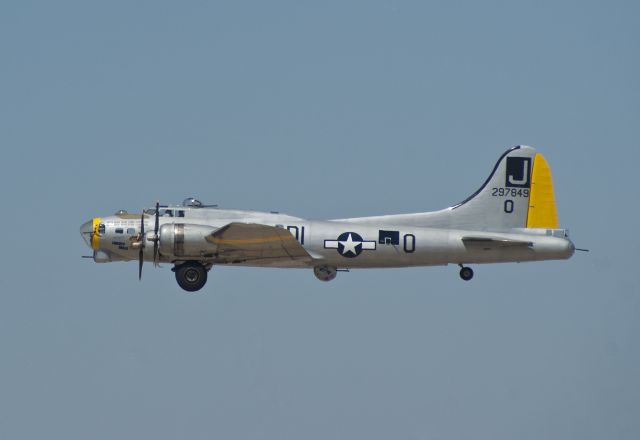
(494, 243)
(242, 242)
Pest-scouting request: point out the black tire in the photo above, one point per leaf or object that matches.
(191, 276)
(466, 273)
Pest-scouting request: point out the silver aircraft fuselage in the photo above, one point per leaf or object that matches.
(387, 244)
(511, 218)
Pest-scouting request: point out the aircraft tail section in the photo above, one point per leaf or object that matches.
(517, 194)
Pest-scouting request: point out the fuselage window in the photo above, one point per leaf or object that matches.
(101, 229)
(119, 230)
(131, 231)
(179, 213)
(409, 243)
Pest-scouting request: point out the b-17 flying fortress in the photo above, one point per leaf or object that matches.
(511, 218)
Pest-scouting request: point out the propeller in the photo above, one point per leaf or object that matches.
(155, 239)
(141, 253)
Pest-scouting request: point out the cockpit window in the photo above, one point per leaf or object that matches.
(162, 212)
(165, 212)
(101, 229)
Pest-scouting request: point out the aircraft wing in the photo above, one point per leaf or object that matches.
(494, 243)
(253, 242)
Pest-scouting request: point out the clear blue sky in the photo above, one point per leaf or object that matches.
(318, 109)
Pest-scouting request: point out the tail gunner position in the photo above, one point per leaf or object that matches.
(511, 218)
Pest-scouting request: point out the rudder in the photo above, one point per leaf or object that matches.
(542, 203)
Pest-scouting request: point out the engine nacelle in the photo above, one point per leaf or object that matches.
(184, 240)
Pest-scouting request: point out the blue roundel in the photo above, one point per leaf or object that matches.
(349, 244)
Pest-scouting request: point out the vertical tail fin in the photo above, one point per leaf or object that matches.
(517, 194)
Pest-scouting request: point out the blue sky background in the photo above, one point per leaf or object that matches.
(322, 110)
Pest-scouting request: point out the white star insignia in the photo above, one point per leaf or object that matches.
(349, 245)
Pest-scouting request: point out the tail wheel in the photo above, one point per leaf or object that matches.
(466, 273)
(191, 276)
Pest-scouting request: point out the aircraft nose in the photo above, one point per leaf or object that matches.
(86, 230)
(89, 232)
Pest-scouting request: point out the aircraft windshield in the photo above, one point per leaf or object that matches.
(165, 212)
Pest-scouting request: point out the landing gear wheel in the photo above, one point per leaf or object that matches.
(191, 276)
(466, 273)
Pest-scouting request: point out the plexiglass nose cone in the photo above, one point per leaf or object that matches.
(86, 230)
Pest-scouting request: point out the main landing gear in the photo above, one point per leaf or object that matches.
(191, 276)
(466, 273)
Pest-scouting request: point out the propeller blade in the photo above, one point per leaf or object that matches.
(141, 253)
(140, 261)
(155, 234)
(157, 217)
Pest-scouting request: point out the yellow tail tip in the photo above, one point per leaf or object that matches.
(542, 203)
